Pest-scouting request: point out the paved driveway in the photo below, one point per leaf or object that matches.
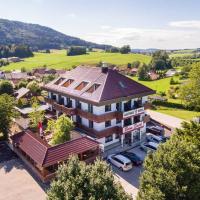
(130, 180)
(167, 120)
(16, 183)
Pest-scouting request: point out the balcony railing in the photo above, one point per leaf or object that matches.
(133, 112)
(133, 127)
(61, 108)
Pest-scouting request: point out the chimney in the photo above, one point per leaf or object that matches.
(104, 68)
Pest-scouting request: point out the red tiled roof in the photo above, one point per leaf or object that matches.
(113, 85)
(45, 155)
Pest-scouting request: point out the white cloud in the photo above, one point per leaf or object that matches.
(104, 27)
(146, 38)
(71, 15)
(186, 24)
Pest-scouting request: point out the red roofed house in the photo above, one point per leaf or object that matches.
(44, 159)
(103, 103)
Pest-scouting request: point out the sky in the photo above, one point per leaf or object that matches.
(166, 24)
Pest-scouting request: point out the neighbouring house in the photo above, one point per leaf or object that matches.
(38, 72)
(170, 73)
(2, 75)
(103, 103)
(15, 77)
(153, 75)
(44, 159)
(22, 93)
(157, 98)
(133, 71)
(14, 59)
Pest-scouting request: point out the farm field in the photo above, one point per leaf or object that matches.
(58, 60)
(161, 85)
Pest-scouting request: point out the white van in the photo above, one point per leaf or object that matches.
(120, 161)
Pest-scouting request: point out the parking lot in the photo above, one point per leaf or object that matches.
(16, 182)
(130, 179)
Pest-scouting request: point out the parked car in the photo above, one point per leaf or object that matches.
(154, 138)
(120, 161)
(157, 130)
(149, 146)
(135, 159)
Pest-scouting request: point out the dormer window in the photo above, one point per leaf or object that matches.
(81, 85)
(59, 81)
(68, 82)
(93, 88)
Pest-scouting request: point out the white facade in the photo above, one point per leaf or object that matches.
(134, 129)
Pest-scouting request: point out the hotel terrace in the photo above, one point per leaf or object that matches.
(103, 103)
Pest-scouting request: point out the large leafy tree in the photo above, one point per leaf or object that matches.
(160, 61)
(34, 87)
(143, 71)
(6, 87)
(190, 92)
(60, 129)
(7, 112)
(76, 180)
(173, 172)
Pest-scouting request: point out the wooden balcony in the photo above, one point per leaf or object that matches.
(99, 134)
(100, 118)
(61, 108)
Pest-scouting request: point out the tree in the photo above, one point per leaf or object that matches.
(190, 92)
(73, 51)
(125, 49)
(36, 115)
(173, 171)
(76, 180)
(7, 112)
(160, 61)
(143, 71)
(60, 129)
(48, 78)
(6, 87)
(22, 83)
(34, 87)
(135, 64)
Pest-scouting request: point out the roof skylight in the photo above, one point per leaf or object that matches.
(81, 85)
(93, 88)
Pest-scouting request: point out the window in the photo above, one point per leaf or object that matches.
(93, 88)
(127, 122)
(107, 108)
(78, 104)
(122, 85)
(118, 121)
(107, 123)
(67, 83)
(81, 85)
(59, 81)
(116, 136)
(91, 125)
(108, 139)
(90, 108)
(119, 106)
(79, 119)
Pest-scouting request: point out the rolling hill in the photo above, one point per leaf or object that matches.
(38, 37)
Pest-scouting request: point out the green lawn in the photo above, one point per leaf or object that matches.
(180, 113)
(58, 60)
(163, 85)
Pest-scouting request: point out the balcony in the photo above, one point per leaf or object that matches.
(61, 108)
(133, 111)
(99, 134)
(132, 127)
